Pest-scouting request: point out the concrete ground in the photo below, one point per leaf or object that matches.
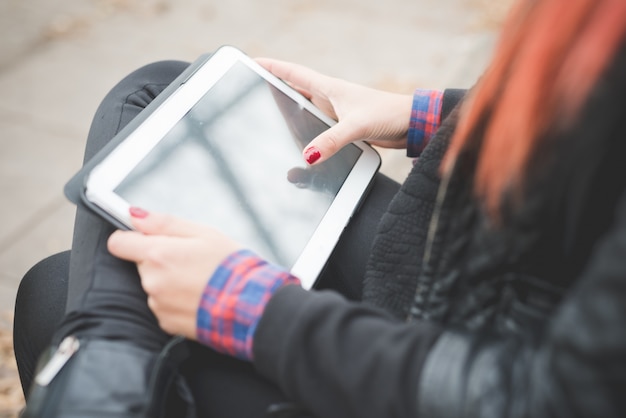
(58, 58)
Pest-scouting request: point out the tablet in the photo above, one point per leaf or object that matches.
(225, 149)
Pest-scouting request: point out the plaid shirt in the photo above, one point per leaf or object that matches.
(237, 293)
(234, 299)
(425, 120)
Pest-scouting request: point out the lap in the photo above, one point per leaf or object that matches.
(225, 386)
(100, 284)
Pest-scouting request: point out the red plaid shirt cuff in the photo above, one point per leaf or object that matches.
(234, 300)
(425, 119)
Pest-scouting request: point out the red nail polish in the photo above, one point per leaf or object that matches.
(312, 154)
(137, 212)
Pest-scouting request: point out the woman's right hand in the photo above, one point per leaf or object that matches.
(378, 117)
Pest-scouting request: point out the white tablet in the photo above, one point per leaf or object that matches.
(225, 149)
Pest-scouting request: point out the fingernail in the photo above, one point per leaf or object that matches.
(137, 212)
(311, 155)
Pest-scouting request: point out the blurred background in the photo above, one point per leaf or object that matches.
(58, 58)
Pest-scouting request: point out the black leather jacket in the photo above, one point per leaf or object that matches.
(467, 320)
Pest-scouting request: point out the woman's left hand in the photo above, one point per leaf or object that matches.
(175, 259)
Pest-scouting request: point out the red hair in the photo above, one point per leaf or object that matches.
(550, 55)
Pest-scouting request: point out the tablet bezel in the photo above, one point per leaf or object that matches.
(111, 171)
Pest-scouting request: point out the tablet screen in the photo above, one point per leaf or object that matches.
(234, 162)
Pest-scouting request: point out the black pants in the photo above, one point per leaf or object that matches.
(89, 292)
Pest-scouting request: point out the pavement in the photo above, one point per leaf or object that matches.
(58, 58)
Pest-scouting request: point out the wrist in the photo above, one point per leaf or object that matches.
(233, 302)
(425, 119)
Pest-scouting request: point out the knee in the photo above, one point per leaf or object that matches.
(127, 99)
(41, 296)
(152, 77)
(149, 81)
(160, 71)
(39, 308)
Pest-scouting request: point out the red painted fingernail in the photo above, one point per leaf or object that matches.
(312, 154)
(137, 212)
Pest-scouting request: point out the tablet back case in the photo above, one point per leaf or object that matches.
(75, 188)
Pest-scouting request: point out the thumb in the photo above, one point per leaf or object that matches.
(326, 144)
(153, 223)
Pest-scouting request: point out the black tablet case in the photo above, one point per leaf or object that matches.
(75, 188)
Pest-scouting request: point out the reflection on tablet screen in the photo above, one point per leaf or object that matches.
(234, 162)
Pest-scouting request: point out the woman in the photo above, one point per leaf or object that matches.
(495, 282)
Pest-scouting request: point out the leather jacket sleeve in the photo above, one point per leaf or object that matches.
(576, 369)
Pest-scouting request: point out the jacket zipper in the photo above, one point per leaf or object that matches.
(68, 347)
(433, 226)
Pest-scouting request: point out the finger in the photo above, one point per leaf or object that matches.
(268, 64)
(307, 94)
(154, 223)
(302, 78)
(128, 245)
(329, 142)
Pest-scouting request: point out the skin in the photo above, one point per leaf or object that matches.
(175, 258)
(378, 117)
